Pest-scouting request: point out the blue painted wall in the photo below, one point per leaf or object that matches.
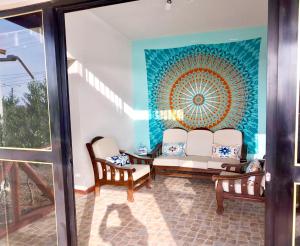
(139, 76)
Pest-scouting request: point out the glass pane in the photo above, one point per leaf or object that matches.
(30, 203)
(24, 117)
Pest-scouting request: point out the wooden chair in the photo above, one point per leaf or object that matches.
(233, 184)
(106, 173)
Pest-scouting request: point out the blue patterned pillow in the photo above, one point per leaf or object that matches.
(253, 166)
(120, 160)
(173, 149)
(223, 151)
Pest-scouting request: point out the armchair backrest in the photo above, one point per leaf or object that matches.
(104, 147)
(175, 135)
(229, 137)
(199, 142)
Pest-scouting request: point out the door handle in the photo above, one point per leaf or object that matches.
(268, 177)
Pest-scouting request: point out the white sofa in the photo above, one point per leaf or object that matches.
(198, 150)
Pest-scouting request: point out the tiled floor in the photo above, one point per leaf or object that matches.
(176, 211)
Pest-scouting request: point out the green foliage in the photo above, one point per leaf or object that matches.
(25, 121)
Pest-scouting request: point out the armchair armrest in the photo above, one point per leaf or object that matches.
(114, 166)
(135, 159)
(237, 176)
(244, 182)
(156, 151)
(237, 168)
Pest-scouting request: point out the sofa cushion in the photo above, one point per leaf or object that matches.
(105, 147)
(140, 171)
(217, 162)
(172, 161)
(194, 161)
(175, 136)
(229, 137)
(199, 142)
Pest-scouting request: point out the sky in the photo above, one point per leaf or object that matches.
(29, 46)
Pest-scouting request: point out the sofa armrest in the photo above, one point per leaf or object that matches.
(156, 151)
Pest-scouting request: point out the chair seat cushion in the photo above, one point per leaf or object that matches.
(217, 162)
(172, 161)
(140, 171)
(194, 161)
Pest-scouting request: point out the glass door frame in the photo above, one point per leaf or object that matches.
(282, 78)
(281, 120)
(281, 113)
(62, 169)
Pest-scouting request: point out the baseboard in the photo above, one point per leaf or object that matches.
(83, 190)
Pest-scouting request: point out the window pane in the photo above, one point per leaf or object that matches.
(29, 204)
(24, 117)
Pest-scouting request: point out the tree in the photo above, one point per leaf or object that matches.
(25, 121)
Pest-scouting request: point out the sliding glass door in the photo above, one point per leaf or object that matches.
(34, 204)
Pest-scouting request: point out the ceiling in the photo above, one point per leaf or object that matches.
(148, 18)
(9, 4)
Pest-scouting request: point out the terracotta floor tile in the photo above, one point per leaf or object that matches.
(176, 211)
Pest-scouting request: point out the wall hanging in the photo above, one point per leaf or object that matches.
(206, 85)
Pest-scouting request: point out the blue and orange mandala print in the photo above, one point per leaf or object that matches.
(213, 86)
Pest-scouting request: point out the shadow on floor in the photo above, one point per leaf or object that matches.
(128, 224)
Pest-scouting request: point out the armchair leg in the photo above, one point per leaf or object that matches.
(153, 173)
(149, 183)
(130, 195)
(130, 191)
(97, 190)
(220, 199)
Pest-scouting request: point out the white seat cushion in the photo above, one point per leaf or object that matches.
(140, 171)
(174, 136)
(105, 147)
(199, 142)
(217, 162)
(171, 161)
(229, 137)
(194, 161)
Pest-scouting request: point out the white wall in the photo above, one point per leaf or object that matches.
(100, 86)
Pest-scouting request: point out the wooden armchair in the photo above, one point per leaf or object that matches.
(106, 173)
(233, 184)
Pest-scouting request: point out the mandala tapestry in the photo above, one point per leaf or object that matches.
(213, 86)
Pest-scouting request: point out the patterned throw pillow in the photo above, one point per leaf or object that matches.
(173, 149)
(120, 160)
(225, 151)
(253, 166)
